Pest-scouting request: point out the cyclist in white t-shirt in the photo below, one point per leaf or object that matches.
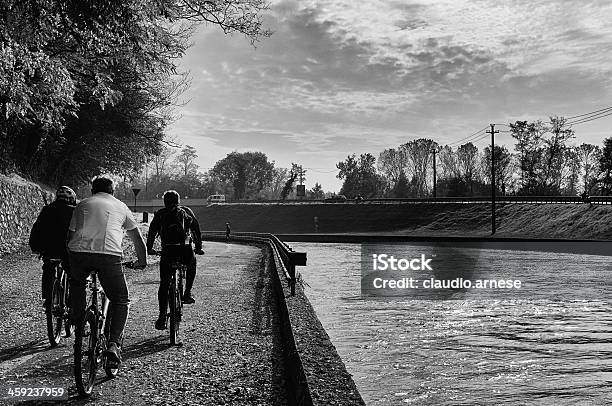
(96, 233)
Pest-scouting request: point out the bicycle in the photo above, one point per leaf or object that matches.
(91, 339)
(58, 308)
(175, 297)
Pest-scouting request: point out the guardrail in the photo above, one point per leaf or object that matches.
(288, 258)
(599, 200)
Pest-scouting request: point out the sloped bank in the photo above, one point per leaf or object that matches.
(579, 221)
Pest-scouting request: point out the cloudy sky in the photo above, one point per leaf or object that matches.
(344, 76)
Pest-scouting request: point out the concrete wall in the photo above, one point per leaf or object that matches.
(20, 204)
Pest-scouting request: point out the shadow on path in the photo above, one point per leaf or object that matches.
(146, 347)
(29, 348)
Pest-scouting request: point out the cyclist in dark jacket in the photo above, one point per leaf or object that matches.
(174, 249)
(50, 233)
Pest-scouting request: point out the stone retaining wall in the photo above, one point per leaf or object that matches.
(20, 204)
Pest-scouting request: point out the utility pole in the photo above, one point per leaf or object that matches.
(492, 132)
(433, 150)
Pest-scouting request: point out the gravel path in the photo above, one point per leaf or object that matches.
(227, 355)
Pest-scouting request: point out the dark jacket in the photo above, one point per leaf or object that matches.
(155, 227)
(50, 230)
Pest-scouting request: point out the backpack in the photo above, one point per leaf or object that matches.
(36, 240)
(174, 227)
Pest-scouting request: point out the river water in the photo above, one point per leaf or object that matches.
(550, 345)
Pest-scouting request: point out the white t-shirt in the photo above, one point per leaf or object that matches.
(97, 225)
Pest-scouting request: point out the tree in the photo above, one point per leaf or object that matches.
(317, 191)
(248, 172)
(161, 161)
(448, 163)
(529, 147)
(288, 188)
(420, 158)
(554, 154)
(79, 79)
(391, 163)
(467, 162)
(588, 156)
(503, 167)
(360, 177)
(186, 160)
(401, 188)
(273, 190)
(605, 167)
(571, 172)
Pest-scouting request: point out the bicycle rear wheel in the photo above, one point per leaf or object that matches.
(111, 371)
(55, 313)
(66, 306)
(86, 356)
(175, 318)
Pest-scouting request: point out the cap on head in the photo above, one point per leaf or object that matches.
(66, 194)
(171, 198)
(102, 184)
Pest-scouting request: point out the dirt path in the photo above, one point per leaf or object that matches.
(228, 356)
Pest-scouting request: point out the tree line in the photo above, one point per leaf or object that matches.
(544, 162)
(239, 176)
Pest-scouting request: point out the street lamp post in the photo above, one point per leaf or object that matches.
(136, 191)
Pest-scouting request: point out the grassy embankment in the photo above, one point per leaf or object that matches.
(576, 221)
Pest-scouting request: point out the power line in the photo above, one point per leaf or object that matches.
(591, 118)
(473, 141)
(465, 140)
(482, 137)
(588, 114)
(319, 171)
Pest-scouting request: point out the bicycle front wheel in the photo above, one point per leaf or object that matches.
(85, 354)
(175, 312)
(55, 313)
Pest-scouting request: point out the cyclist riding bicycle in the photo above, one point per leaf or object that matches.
(49, 235)
(177, 227)
(96, 235)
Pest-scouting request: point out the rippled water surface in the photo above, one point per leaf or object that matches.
(550, 346)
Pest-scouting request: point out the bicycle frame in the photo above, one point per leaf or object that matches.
(101, 312)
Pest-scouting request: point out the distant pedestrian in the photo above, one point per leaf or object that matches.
(316, 223)
(228, 231)
(585, 197)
